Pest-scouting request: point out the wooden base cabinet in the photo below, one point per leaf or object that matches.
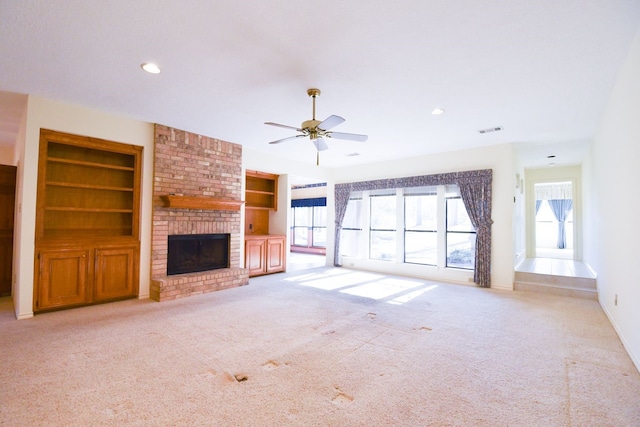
(265, 254)
(84, 275)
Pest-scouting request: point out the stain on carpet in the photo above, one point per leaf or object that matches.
(341, 398)
(240, 377)
(270, 365)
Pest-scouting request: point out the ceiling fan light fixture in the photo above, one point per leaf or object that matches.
(150, 68)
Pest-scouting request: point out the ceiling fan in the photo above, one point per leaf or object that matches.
(318, 130)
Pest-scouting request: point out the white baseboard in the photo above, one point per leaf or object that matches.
(634, 358)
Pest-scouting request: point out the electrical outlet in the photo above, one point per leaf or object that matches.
(615, 300)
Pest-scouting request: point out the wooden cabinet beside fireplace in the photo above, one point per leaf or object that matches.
(87, 222)
(83, 274)
(264, 254)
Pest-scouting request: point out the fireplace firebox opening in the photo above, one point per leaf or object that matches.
(190, 253)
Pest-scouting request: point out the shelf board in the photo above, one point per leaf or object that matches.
(201, 202)
(269, 193)
(91, 233)
(88, 186)
(91, 164)
(75, 209)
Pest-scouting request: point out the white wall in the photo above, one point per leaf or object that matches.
(500, 158)
(6, 155)
(519, 212)
(48, 114)
(614, 176)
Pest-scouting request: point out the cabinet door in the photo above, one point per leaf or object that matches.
(7, 204)
(275, 254)
(62, 278)
(115, 273)
(255, 254)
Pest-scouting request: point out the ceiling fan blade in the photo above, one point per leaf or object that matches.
(320, 144)
(330, 122)
(349, 136)
(282, 126)
(278, 141)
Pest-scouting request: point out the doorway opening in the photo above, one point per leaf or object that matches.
(554, 225)
(308, 225)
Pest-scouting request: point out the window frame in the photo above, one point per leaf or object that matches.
(310, 229)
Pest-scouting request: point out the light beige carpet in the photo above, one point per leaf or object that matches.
(326, 347)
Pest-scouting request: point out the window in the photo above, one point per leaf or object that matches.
(421, 226)
(382, 229)
(461, 236)
(352, 228)
(302, 220)
(309, 227)
(319, 227)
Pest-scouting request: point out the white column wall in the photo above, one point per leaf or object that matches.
(613, 176)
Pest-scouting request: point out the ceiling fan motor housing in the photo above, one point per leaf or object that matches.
(310, 124)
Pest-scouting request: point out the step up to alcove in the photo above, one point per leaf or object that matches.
(577, 287)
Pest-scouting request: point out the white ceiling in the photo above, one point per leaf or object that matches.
(541, 69)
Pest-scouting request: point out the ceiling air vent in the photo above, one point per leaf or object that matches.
(489, 130)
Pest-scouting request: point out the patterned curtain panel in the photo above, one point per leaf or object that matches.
(479, 184)
(476, 195)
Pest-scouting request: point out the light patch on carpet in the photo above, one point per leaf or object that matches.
(411, 295)
(333, 282)
(382, 288)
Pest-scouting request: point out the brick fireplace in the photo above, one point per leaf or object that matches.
(197, 190)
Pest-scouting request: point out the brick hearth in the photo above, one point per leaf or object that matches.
(194, 165)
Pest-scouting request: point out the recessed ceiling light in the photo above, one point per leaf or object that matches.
(551, 157)
(150, 68)
(352, 154)
(437, 111)
(552, 164)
